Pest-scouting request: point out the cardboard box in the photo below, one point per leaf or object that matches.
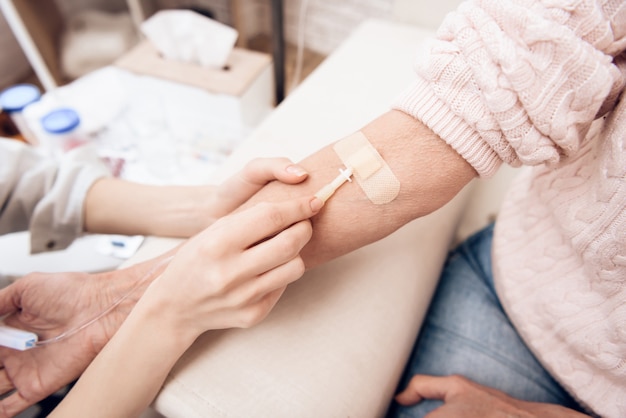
(247, 76)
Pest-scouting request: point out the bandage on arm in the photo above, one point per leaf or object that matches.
(370, 170)
(429, 172)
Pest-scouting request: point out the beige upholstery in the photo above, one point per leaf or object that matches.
(337, 341)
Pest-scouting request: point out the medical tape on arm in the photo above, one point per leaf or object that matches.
(370, 170)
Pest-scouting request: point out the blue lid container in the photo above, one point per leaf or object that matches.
(16, 98)
(60, 121)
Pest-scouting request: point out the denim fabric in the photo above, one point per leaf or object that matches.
(466, 332)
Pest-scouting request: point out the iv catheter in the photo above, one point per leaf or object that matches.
(327, 191)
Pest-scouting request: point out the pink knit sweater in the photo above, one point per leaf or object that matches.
(538, 83)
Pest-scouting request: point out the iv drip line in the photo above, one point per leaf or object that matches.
(115, 304)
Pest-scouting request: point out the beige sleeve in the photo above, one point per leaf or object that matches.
(45, 195)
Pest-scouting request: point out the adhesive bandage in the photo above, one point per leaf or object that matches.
(370, 171)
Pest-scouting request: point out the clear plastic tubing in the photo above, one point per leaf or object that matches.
(112, 306)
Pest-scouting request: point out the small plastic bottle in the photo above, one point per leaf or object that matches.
(62, 127)
(14, 100)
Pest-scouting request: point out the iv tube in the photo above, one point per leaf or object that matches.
(116, 303)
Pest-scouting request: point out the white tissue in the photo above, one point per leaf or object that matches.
(187, 36)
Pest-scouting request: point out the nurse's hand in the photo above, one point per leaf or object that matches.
(117, 206)
(234, 272)
(236, 190)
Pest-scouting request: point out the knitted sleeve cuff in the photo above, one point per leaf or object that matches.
(421, 102)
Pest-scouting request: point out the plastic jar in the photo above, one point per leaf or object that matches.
(62, 128)
(14, 100)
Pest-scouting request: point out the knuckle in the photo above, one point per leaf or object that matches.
(219, 225)
(36, 276)
(308, 228)
(289, 245)
(243, 298)
(458, 383)
(252, 316)
(255, 169)
(305, 232)
(252, 165)
(273, 215)
(211, 248)
(221, 279)
(298, 267)
(217, 240)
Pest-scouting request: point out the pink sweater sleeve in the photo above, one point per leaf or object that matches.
(519, 81)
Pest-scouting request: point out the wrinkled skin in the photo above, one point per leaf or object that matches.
(50, 304)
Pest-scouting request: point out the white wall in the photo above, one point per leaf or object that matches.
(428, 14)
(67, 7)
(327, 23)
(220, 8)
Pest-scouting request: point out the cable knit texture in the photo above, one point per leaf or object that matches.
(538, 83)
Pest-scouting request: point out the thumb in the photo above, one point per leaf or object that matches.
(256, 174)
(423, 387)
(9, 299)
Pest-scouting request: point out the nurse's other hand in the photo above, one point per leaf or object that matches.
(236, 190)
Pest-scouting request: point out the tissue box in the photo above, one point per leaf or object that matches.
(247, 76)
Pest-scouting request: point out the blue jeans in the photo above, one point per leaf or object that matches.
(466, 332)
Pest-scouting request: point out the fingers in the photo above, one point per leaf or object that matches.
(5, 383)
(258, 173)
(265, 220)
(252, 291)
(277, 279)
(258, 297)
(13, 405)
(9, 299)
(263, 170)
(425, 387)
(276, 250)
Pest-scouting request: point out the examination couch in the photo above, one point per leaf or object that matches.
(336, 343)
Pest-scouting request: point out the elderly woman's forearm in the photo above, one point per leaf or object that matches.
(429, 171)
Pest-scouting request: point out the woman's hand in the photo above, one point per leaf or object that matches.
(466, 399)
(115, 206)
(232, 274)
(257, 173)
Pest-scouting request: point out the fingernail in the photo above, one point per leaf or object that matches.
(296, 169)
(316, 204)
